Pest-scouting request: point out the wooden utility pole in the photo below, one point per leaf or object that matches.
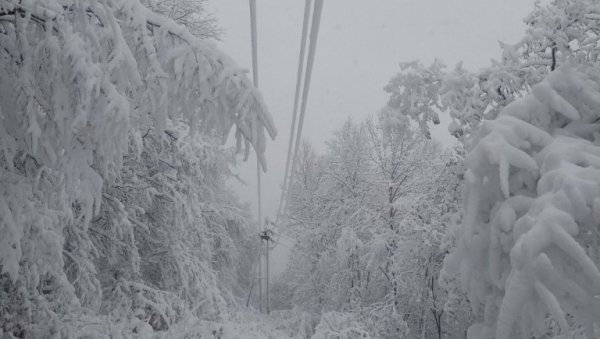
(266, 236)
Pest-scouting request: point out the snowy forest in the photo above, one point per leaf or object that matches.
(122, 125)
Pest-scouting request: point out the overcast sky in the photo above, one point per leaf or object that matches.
(361, 43)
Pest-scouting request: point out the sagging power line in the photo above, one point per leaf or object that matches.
(295, 132)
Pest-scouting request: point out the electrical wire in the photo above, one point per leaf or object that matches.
(258, 167)
(301, 61)
(314, 34)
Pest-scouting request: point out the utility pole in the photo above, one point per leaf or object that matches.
(267, 290)
(260, 279)
(266, 235)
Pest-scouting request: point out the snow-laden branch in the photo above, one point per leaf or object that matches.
(204, 83)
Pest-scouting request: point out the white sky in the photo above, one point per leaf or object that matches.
(361, 43)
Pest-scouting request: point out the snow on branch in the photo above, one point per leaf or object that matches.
(156, 64)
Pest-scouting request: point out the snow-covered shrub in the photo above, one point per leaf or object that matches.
(337, 325)
(295, 321)
(527, 252)
(384, 320)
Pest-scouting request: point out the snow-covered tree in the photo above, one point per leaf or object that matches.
(185, 236)
(328, 196)
(414, 93)
(368, 217)
(111, 193)
(192, 14)
(557, 32)
(528, 247)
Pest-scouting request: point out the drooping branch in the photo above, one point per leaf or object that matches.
(248, 111)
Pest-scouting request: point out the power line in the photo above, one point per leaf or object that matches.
(254, 40)
(314, 34)
(316, 18)
(301, 61)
